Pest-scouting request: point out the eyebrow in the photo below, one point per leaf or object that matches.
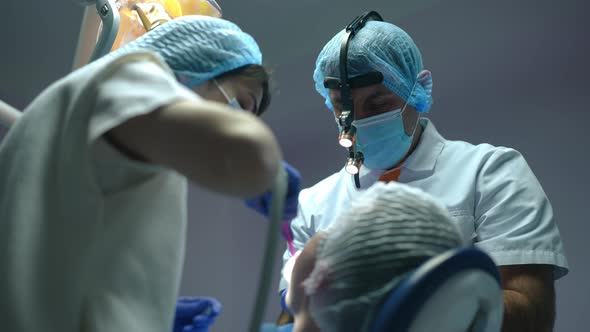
(380, 98)
(378, 95)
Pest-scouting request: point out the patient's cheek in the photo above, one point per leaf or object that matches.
(287, 271)
(301, 266)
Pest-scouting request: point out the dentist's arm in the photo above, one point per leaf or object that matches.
(216, 147)
(529, 298)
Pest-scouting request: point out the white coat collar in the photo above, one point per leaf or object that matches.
(428, 149)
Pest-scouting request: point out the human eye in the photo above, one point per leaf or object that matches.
(379, 107)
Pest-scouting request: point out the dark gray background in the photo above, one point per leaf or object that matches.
(512, 73)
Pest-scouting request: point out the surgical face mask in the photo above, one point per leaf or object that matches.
(233, 102)
(382, 139)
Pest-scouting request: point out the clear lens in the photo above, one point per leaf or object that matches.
(353, 165)
(352, 169)
(345, 142)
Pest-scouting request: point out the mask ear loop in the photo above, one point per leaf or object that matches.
(418, 113)
(415, 125)
(233, 102)
(222, 90)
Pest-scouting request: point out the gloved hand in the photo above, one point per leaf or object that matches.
(262, 203)
(195, 314)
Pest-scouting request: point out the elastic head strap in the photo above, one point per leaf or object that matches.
(345, 87)
(347, 115)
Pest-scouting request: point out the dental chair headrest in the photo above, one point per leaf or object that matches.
(458, 291)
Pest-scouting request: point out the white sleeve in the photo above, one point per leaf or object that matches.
(135, 88)
(513, 217)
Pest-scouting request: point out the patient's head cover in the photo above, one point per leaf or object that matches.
(388, 231)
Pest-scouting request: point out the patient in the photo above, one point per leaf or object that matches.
(343, 275)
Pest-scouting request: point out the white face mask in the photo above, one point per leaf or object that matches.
(233, 102)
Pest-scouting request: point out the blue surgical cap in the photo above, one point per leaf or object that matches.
(383, 47)
(198, 48)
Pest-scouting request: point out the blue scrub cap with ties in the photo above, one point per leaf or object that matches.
(383, 47)
(198, 48)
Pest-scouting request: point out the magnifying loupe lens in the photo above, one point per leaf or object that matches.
(353, 165)
(345, 142)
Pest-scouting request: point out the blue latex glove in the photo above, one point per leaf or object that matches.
(284, 302)
(262, 203)
(195, 314)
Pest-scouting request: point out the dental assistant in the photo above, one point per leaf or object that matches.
(93, 176)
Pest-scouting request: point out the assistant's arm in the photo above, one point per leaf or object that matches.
(216, 147)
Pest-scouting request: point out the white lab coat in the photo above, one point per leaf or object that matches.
(90, 240)
(491, 193)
